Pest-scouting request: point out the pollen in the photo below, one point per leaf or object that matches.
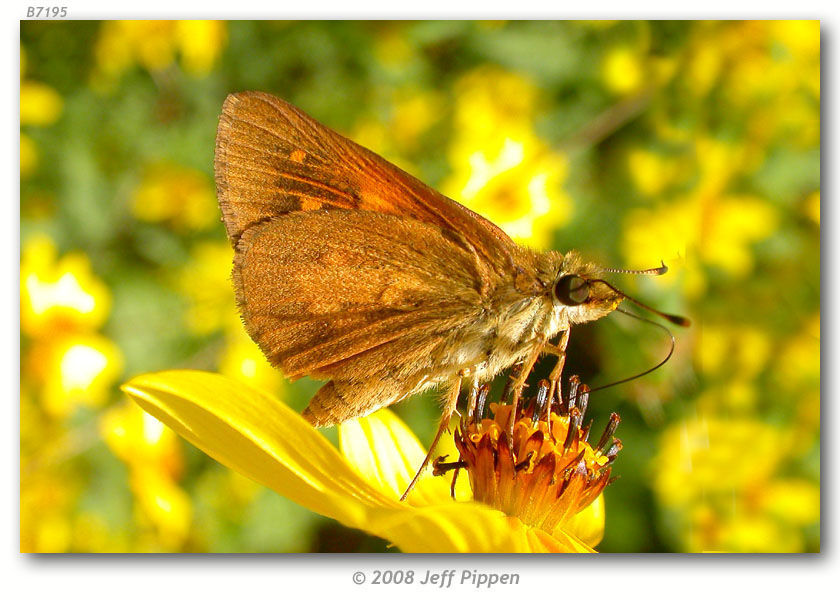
(549, 471)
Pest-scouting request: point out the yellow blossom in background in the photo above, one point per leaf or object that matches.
(243, 360)
(414, 111)
(651, 172)
(812, 207)
(720, 475)
(73, 370)
(59, 294)
(40, 105)
(62, 304)
(500, 168)
(732, 226)
(392, 49)
(46, 501)
(795, 501)
(704, 456)
(162, 505)
(28, 156)
(623, 71)
(717, 234)
(489, 100)
(731, 357)
(703, 68)
(518, 189)
(796, 373)
(79, 370)
(181, 197)
(140, 440)
(206, 281)
(200, 44)
(799, 358)
(768, 73)
(154, 45)
(153, 454)
(727, 348)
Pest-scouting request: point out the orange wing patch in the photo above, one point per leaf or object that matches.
(272, 159)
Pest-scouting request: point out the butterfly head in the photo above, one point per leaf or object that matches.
(578, 291)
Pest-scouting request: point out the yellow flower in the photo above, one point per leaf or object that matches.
(45, 503)
(153, 455)
(40, 105)
(205, 281)
(796, 374)
(500, 168)
(812, 206)
(76, 370)
(734, 224)
(163, 505)
(703, 68)
(200, 43)
(795, 501)
(28, 156)
(623, 71)
(720, 477)
(706, 456)
(242, 359)
(392, 47)
(140, 440)
(59, 294)
(546, 474)
(177, 195)
(154, 45)
(717, 232)
(489, 98)
(732, 348)
(654, 172)
(517, 186)
(414, 111)
(263, 439)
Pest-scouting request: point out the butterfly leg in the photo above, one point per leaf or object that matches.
(557, 372)
(519, 384)
(560, 352)
(448, 410)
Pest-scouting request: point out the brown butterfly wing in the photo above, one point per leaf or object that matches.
(272, 159)
(352, 294)
(346, 267)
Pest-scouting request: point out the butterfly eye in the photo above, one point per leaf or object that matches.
(572, 290)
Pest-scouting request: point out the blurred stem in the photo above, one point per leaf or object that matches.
(608, 122)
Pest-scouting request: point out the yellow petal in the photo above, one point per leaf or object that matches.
(387, 453)
(588, 524)
(263, 439)
(259, 437)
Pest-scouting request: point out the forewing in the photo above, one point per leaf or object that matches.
(272, 159)
(320, 290)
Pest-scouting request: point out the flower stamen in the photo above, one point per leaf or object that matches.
(547, 471)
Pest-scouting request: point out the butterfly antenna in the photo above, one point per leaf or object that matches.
(654, 271)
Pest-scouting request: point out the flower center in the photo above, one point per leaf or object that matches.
(548, 471)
